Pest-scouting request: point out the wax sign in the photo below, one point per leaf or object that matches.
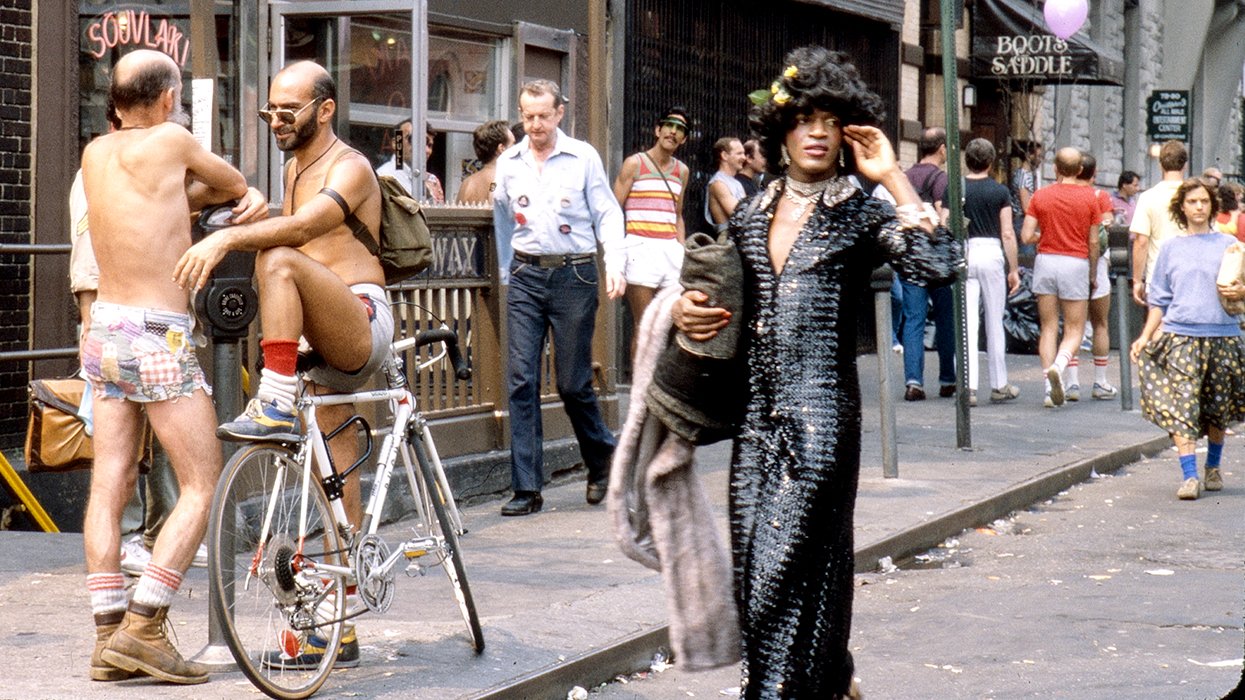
(136, 29)
(1167, 115)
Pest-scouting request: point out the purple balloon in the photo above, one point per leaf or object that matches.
(1065, 17)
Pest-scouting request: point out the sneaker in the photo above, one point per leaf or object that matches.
(260, 422)
(1190, 489)
(134, 556)
(1214, 479)
(200, 559)
(897, 348)
(1056, 386)
(1007, 392)
(1072, 393)
(1105, 392)
(1047, 402)
(972, 398)
(312, 652)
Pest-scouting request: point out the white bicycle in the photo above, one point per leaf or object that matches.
(281, 551)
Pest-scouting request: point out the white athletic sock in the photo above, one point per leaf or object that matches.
(1061, 361)
(107, 592)
(1071, 373)
(157, 586)
(1100, 370)
(277, 389)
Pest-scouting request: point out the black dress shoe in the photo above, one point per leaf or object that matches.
(946, 391)
(597, 489)
(914, 393)
(523, 503)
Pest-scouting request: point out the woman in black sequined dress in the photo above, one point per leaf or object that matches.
(809, 243)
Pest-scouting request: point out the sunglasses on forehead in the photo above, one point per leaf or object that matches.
(286, 115)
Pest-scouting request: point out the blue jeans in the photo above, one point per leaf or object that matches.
(562, 300)
(915, 302)
(896, 309)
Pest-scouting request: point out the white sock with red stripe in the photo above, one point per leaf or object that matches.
(1071, 373)
(157, 586)
(1100, 370)
(107, 592)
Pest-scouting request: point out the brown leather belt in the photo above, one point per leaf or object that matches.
(554, 261)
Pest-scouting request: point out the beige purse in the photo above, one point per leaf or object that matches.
(1232, 269)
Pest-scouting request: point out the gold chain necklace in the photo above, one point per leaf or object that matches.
(802, 194)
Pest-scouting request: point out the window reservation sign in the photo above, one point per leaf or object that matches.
(1167, 115)
(1011, 43)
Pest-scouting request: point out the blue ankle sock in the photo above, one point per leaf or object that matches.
(1188, 465)
(1213, 452)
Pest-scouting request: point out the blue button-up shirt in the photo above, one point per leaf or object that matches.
(564, 207)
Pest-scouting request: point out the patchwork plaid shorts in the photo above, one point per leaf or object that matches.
(141, 354)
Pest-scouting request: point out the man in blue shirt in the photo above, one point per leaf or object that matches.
(551, 206)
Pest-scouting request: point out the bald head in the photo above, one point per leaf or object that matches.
(141, 77)
(1067, 162)
(308, 79)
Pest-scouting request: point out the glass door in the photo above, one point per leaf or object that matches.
(376, 51)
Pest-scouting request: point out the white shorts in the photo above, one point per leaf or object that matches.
(1102, 280)
(653, 262)
(1061, 275)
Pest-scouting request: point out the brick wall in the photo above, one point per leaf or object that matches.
(16, 29)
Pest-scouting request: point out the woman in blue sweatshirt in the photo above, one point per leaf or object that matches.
(1190, 355)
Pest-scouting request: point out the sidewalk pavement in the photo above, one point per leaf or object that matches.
(560, 605)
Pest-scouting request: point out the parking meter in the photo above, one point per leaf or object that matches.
(227, 304)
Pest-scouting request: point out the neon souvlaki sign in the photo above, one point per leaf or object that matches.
(136, 29)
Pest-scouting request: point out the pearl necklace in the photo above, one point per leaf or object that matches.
(802, 194)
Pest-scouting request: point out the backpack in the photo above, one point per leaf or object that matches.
(405, 248)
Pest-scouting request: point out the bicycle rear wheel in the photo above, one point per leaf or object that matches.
(452, 560)
(271, 598)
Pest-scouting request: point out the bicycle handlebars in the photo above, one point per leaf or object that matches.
(439, 335)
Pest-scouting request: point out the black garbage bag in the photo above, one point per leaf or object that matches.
(1020, 317)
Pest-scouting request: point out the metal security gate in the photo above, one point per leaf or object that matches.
(707, 56)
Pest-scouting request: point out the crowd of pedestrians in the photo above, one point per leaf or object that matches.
(563, 233)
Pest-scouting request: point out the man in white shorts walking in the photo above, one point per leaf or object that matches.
(1067, 215)
(650, 189)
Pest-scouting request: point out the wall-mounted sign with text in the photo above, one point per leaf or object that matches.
(1011, 43)
(1167, 115)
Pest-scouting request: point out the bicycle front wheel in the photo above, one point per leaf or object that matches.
(273, 599)
(452, 559)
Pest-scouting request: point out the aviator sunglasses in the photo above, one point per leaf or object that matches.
(285, 115)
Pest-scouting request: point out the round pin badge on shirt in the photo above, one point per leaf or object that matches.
(565, 228)
(566, 202)
(522, 201)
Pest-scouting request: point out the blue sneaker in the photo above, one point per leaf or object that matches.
(311, 653)
(261, 422)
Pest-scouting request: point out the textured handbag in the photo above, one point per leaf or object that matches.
(56, 438)
(1232, 269)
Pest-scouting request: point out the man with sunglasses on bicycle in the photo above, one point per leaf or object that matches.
(316, 282)
(142, 181)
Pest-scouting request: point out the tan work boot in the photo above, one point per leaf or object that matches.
(105, 625)
(141, 644)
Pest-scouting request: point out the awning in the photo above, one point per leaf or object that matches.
(1011, 42)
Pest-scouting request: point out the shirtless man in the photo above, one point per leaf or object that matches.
(142, 182)
(316, 281)
(488, 140)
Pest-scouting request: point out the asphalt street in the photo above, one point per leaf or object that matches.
(1112, 589)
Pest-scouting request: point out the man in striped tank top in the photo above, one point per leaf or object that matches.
(650, 188)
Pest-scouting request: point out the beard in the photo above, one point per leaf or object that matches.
(302, 135)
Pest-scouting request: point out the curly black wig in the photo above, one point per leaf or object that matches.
(814, 77)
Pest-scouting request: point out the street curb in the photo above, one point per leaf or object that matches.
(635, 652)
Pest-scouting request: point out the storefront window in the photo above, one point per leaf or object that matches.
(111, 30)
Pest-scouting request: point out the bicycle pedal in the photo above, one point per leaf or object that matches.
(416, 569)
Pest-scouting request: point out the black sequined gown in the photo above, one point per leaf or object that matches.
(796, 461)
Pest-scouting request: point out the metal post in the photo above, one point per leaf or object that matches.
(1124, 297)
(227, 391)
(880, 283)
(955, 193)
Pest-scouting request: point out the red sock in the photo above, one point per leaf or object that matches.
(280, 356)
